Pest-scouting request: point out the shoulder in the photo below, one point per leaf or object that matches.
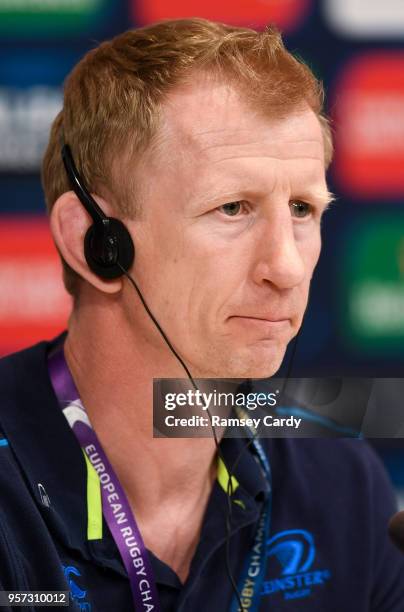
(339, 457)
(343, 476)
(27, 414)
(11, 365)
(25, 369)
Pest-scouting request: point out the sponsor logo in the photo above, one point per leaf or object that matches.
(369, 108)
(33, 301)
(364, 18)
(293, 554)
(77, 594)
(286, 14)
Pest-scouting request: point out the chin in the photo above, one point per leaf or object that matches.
(258, 371)
(248, 363)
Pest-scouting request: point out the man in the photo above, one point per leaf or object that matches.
(208, 142)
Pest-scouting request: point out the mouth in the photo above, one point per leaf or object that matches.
(264, 324)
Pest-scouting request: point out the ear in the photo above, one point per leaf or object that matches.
(69, 222)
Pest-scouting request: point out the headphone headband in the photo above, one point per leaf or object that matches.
(81, 191)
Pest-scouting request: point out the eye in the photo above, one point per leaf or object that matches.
(300, 209)
(232, 209)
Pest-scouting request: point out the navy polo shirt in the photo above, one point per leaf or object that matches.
(328, 548)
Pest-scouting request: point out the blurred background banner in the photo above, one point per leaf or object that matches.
(354, 325)
(287, 14)
(33, 303)
(355, 321)
(50, 19)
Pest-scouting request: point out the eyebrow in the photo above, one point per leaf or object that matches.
(320, 197)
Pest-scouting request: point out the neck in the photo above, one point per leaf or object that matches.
(114, 377)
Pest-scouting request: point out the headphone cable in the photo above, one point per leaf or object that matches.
(218, 450)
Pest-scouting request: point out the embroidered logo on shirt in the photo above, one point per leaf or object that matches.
(77, 594)
(292, 554)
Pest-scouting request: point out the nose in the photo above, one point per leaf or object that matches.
(278, 258)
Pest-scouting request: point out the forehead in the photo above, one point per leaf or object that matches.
(206, 117)
(211, 143)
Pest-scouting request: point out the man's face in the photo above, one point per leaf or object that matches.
(230, 231)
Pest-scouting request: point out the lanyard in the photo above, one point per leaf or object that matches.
(119, 516)
(250, 584)
(116, 508)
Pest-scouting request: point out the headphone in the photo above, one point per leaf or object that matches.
(108, 245)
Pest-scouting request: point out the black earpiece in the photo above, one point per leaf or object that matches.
(107, 242)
